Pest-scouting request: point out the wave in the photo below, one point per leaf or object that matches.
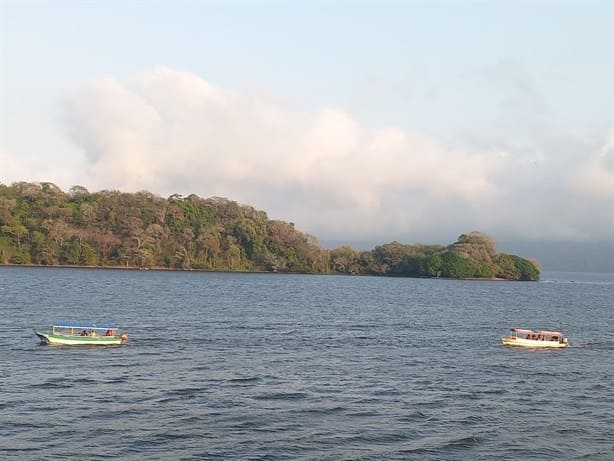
(411, 417)
(441, 443)
(597, 345)
(247, 379)
(52, 385)
(322, 410)
(281, 396)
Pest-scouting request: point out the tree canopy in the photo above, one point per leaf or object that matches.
(42, 225)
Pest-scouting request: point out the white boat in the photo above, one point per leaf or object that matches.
(536, 339)
(82, 333)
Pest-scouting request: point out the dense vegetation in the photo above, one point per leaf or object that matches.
(40, 224)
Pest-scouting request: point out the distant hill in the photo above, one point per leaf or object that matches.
(42, 225)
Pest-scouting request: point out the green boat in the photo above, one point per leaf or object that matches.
(82, 333)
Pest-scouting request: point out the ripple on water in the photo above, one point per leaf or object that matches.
(284, 367)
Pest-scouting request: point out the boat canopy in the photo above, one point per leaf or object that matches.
(86, 325)
(541, 332)
(550, 333)
(522, 331)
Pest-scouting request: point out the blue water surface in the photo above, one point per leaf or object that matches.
(277, 367)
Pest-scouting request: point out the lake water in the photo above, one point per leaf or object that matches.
(277, 367)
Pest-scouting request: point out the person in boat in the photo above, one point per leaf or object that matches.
(109, 333)
(84, 333)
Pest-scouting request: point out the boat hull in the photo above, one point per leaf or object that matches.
(64, 340)
(531, 343)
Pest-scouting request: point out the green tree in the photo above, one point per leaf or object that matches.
(17, 230)
(41, 224)
(345, 260)
(453, 266)
(430, 266)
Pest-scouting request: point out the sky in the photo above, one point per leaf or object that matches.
(357, 120)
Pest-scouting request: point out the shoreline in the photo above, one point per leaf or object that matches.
(220, 271)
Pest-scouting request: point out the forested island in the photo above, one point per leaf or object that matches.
(42, 225)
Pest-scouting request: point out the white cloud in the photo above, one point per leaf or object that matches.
(19, 166)
(595, 178)
(116, 129)
(174, 132)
